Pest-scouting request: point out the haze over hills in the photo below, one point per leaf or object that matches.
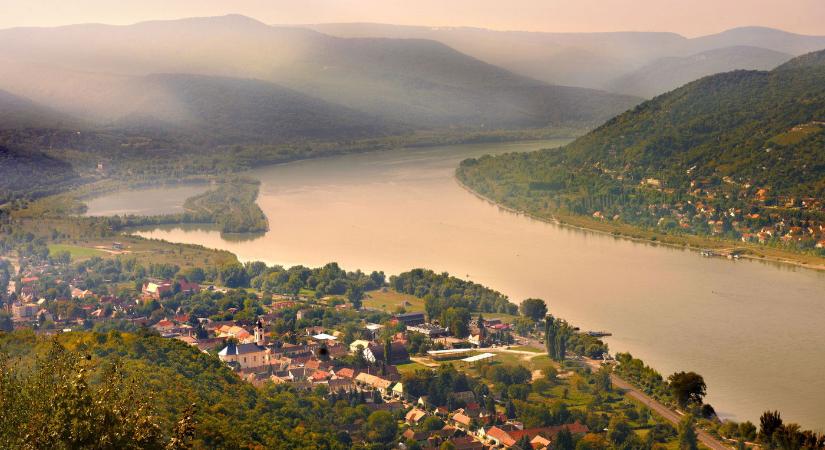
(598, 60)
(19, 112)
(665, 74)
(419, 83)
(755, 127)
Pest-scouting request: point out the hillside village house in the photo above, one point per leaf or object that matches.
(409, 319)
(375, 352)
(157, 288)
(248, 355)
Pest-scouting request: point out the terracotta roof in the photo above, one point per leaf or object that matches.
(462, 418)
(415, 415)
(345, 372)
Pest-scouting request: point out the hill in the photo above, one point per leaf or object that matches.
(155, 383)
(19, 112)
(665, 74)
(421, 83)
(737, 155)
(593, 60)
(31, 174)
(232, 110)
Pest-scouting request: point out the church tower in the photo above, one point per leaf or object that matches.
(260, 337)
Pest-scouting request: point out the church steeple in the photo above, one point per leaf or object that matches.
(260, 337)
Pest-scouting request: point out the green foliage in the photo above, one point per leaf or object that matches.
(56, 405)
(150, 397)
(230, 206)
(534, 308)
(442, 291)
(687, 434)
(32, 174)
(727, 135)
(687, 388)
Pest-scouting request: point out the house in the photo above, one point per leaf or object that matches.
(353, 347)
(345, 372)
(414, 416)
(416, 436)
(461, 420)
(156, 289)
(507, 435)
(398, 390)
(408, 319)
(463, 396)
(23, 311)
(245, 355)
(375, 352)
(367, 380)
(427, 329)
(466, 443)
(341, 385)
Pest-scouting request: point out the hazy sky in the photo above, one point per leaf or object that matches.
(688, 17)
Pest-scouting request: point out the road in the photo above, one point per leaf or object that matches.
(669, 414)
(705, 438)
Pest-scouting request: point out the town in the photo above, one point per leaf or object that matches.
(446, 363)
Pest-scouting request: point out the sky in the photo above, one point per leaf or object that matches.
(686, 17)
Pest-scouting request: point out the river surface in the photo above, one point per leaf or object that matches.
(754, 330)
(144, 201)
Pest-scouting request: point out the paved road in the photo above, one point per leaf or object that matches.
(705, 438)
(667, 413)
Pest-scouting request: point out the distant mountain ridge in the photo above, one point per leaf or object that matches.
(665, 74)
(414, 82)
(596, 60)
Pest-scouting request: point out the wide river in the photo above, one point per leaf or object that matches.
(755, 331)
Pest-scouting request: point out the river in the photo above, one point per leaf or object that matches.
(754, 330)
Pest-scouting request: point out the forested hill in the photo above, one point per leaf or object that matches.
(142, 390)
(744, 139)
(761, 128)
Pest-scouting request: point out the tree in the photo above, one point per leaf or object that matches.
(550, 336)
(57, 405)
(618, 430)
(591, 441)
(533, 308)
(769, 422)
(747, 430)
(354, 294)
(561, 344)
(602, 378)
(233, 275)
(687, 387)
(195, 274)
(388, 351)
(687, 434)
(432, 423)
(564, 440)
(380, 427)
(523, 443)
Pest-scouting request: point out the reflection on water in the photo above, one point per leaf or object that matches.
(144, 201)
(755, 332)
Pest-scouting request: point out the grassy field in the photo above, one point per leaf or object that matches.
(526, 348)
(410, 367)
(78, 253)
(390, 300)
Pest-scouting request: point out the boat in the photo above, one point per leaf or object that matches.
(599, 333)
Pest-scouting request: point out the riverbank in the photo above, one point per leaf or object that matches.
(689, 242)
